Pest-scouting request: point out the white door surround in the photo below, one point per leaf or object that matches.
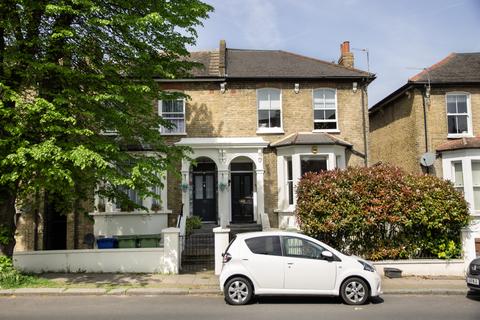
(223, 151)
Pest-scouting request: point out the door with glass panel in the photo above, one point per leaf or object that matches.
(204, 199)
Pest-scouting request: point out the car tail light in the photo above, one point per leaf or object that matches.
(226, 257)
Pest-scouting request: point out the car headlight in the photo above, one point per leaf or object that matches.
(367, 266)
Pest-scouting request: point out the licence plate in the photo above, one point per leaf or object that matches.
(473, 281)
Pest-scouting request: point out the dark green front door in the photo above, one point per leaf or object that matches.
(204, 199)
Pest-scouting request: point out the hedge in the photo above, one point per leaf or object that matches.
(382, 212)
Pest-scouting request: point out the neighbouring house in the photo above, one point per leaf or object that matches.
(255, 121)
(432, 125)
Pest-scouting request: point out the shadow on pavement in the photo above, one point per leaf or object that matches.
(473, 295)
(306, 300)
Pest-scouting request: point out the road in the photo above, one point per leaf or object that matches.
(202, 307)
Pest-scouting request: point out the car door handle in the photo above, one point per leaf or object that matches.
(290, 263)
(245, 259)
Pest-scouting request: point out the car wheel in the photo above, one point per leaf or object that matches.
(354, 291)
(238, 291)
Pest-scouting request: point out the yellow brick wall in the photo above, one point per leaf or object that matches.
(209, 113)
(397, 131)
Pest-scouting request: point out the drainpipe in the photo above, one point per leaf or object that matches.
(364, 119)
(424, 102)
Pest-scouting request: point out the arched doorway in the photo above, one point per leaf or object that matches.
(204, 190)
(242, 183)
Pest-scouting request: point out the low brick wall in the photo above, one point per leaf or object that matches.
(425, 267)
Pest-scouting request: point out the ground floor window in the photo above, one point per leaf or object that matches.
(458, 176)
(314, 164)
(476, 184)
(477, 247)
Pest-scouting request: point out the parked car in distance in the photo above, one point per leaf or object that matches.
(473, 275)
(287, 263)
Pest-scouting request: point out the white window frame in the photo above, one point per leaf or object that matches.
(270, 129)
(475, 206)
(469, 132)
(168, 132)
(337, 129)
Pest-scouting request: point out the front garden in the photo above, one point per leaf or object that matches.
(382, 212)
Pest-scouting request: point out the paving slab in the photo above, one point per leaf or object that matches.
(157, 291)
(39, 291)
(85, 291)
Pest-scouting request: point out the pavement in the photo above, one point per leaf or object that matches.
(203, 283)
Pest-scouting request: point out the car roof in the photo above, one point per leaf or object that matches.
(268, 233)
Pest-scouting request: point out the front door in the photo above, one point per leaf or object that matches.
(204, 200)
(242, 197)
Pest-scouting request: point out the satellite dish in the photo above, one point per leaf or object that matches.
(427, 159)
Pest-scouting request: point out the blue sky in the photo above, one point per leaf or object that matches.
(398, 34)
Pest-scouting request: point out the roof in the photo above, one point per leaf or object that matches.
(456, 68)
(281, 64)
(458, 144)
(310, 138)
(226, 63)
(210, 61)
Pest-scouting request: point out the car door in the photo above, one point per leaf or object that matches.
(305, 269)
(265, 263)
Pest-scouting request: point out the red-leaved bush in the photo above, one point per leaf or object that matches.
(382, 212)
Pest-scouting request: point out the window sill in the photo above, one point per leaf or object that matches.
(459, 136)
(327, 130)
(174, 134)
(270, 131)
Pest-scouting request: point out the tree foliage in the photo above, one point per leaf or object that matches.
(382, 212)
(71, 70)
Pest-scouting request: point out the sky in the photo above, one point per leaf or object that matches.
(401, 36)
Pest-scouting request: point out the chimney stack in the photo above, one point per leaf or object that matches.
(346, 57)
(222, 57)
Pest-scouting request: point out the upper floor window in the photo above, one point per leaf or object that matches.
(269, 105)
(173, 111)
(325, 110)
(458, 114)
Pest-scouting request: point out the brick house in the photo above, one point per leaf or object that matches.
(255, 120)
(437, 114)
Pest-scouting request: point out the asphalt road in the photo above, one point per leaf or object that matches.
(202, 307)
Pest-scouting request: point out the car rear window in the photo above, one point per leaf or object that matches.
(269, 245)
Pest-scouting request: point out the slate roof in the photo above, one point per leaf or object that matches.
(210, 61)
(457, 67)
(310, 138)
(281, 64)
(274, 64)
(457, 144)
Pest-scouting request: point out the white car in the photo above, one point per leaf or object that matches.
(287, 263)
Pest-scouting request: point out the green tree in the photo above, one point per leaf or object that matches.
(72, 69)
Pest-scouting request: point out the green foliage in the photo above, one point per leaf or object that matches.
(382, 212)
(4, 235)
(193, 222)
(11, 278)
(72, 70)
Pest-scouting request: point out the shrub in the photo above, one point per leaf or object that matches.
(11, 278)
(382, 212)
(193, 222)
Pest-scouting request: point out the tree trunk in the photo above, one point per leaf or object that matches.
(7, 221)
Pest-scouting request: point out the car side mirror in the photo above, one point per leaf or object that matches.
(327, 255)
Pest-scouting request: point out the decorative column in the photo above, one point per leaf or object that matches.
(223, 194)
(260, 195)
(185, 188)
(296, 175)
